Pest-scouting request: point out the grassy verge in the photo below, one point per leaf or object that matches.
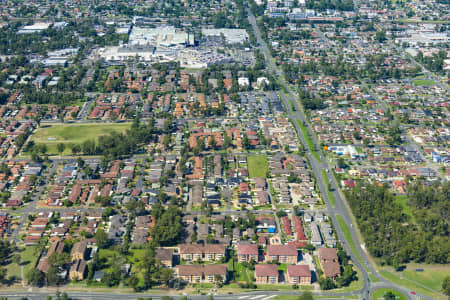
(329, 193)
(410, 285)
(373, 279)
(308, 140)
(257, 166)
(295, 297)
(431, 276)
(348, 238)
(422, 21)
(379, 294)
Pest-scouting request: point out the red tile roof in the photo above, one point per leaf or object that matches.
(299, 270)
(289, 250)
(266, 270)
(247, 249)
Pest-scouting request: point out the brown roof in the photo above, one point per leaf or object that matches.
(331, 268)
(328, 254)
(164, 254)
(186, 270)
(40, 222)
(78, 266)
(266, 270)
(57, 247)
(289, 250)
(199, 248)
(43, 265)
(247, 249)
(79, 247)
(299, 270)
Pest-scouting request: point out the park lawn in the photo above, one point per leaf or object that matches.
(74, 134)
(28, 261)
(379, 294)
(423, 82)
(257, 166)
(432, 276)
(308, 140)
(410, 285)
(348, 238)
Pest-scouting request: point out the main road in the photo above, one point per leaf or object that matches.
(341, 207)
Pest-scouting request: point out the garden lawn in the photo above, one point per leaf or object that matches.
(241, 273)
(379, 294)
(68, 134)
(257, 166)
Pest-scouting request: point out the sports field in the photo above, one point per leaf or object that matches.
(69, 134)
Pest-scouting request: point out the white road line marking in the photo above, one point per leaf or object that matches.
(267, 298)
(256, 297)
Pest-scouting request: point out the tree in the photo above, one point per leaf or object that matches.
(326, 284)
(133, 281)
(5, 251)
(76, 149)
(446, 285)
(101, 237)
(389, 296)
(60, 147)
(35, 277)
(3, 273)
(16, 258)
(168, 226)
(166, 276)
(380, 36)
(245, 142)
(212, 143)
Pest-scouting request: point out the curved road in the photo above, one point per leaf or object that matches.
(341, 207)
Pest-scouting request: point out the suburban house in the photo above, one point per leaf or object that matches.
(282, 254)
(195, 252)
(247, 252)
(202, 274)
(266, 274)
(329, 262)
(298, 274)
